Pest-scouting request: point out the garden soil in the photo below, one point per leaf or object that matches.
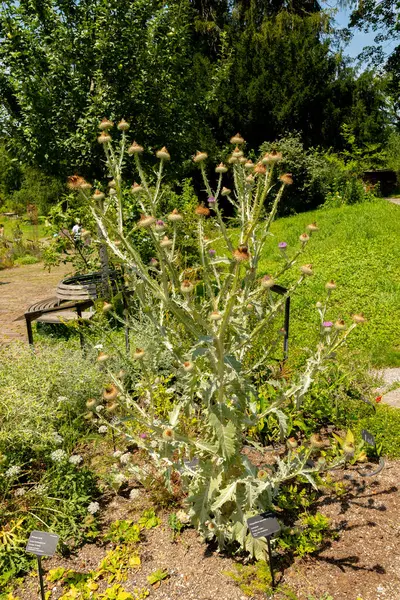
(363, 562)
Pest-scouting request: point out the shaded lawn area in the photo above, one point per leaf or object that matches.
(359, 247)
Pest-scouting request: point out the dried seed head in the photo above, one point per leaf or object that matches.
(139, 353)
(262, 474)
(359, 318)
(110, 392)
(242, 160)
(286, 178)
(98, 195)
(312, 227)
(105, 124)
(123, 125)
(331, 285)
(271, 158)
(75, 182)
(165, 242)
(225, 191)
(175, 215)
(104, 138)
(200, 157)
(267, 282)
(221, 168)
(135, 148)
(260, 169)
(187, 286)
(232, 160)
(340, 324)
(215, 316)
(304, 238)
(146, 221)
(316, 441)
(241, 254)
(202, 211)
(163, 154)
(237, 139)
(136, 188)
(306, 269)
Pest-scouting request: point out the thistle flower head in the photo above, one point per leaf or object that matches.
(153, 262)
(75, 182)
(331, 285)
(146, 221)
(160, 225)
(260, 169)
(306, 269)
(250, 179)
(316, 441)
(104, 137)
(135, 148)
(212, 252)
(267, 282)
(286, 179)
(211, 200)
(237, 139)
(282, 245)
(123, 125)
(312, 227)
(327, 325)
(241, 254)
(304, 237)
(237, 153)
(112, 184)
(166, 242)
(139, 354)
(249, 164)
(271, 157)
(187, 286)
(112, 407)
(175, 215)
(202, 211)
(188, 366)
(98, 195)
(163, 154)
(215, 315)
(221, 168)
(91, 403)
(359, 318)
(340, 324)
(105, 124)
(292, 443)
(102, 357)
(136, 188)
(200, 157)
(168, 434)
(110, 392)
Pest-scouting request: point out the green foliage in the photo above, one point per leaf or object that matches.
(157, 576)
(252, 579)
(149, 519)
(384, 424)
(126, 532)
(308, 536)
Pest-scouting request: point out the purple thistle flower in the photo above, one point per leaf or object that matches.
(212, 252)
(327, 324)
(282, 245)
(211, 200)
(143, 436)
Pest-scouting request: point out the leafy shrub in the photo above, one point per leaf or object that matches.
(308, 536)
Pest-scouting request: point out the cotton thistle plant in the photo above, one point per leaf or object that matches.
(207, 326)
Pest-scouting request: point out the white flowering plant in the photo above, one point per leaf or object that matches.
(208, 318)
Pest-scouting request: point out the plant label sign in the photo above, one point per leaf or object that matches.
(42, 543)
(263, 525)
(368, 437)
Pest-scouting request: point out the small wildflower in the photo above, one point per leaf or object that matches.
(249, 164)
(136, 188)
(57, 438)
(175, 215)
(20, 492)
(135, 148)
(120, 478)
(15, 470)
(267, 282)
(163, 154)
(139, 354)
(378, 399)
(103, 429)
(104, 138)
(340, 324)
(304, 238)
(187, 286)
(237, 139)
(241, 254)
(211, 200)
(359, 318)
(316, 441)
(282, 245)
(58, 455)
(286, 178)
(212, 252)
(327, 325)
(168, 434)
(306, 269)
(292, 443)
(200, 157)
(75, 459)
(93, 508)
(160, 225)
(166, 242)
(225, 191)
(260, 169)
(100, 408)
(98, 195)
(102, 357)
(331, 285)
(123, 125)
(134, 494)
(153, 262)
(312, 227)
(106, 124)
(125, 458)
(188, 366)
(215, 316)
(183, 517)
(107, 306)
(221, 168)
(40, 489)
(202, 211)
(62, 399)
(110, 393)
(146, 221)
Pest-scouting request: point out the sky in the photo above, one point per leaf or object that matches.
(360, 39)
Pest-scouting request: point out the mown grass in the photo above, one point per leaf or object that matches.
(357, 246)
(29, 231)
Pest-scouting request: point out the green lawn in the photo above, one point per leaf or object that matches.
(359, 247)
(30, 232)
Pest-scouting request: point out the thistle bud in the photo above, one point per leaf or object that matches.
(188, 366)
(202, 211)
(250, 179)
(242, 160)
(200, 157)
(175, 216)
(237, 153)
(340, 324)
(98, 195)
(212, 252)
(331, 285)
(85, 185)
(168, 434)
(163, 154)
(306, 270)
(237, 139)
(286, 178)
(271, 158)
(160, 225)
(135, 148)
(91, 403)
(146, 221)
(104, 138)
(105, 124)
(359, 318)
(304, 238)
(215, 316)
(348, 449)
(166, 242)
(136, 188)
(112, 183)
(267, 282)
(312, 227)
(259, 169)
(123, 125)
(221, 168)
(241, 254)
(187, 286)
(110, 392)
(225, 191)
(292, 443)
(139, 354)
(153, 262)
(316, 441)
(232, 160)
(249, 164)
(102, 357)
(107, 307)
